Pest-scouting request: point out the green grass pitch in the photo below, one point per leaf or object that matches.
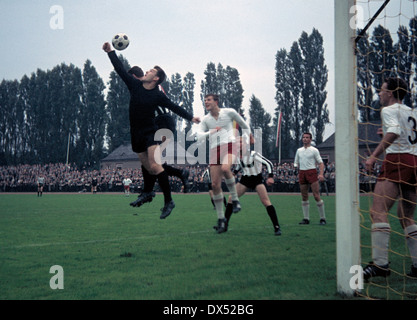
(109, 250)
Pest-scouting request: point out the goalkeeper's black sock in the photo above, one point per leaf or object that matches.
(165, 186)
(148, 180)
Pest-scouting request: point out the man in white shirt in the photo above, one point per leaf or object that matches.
(397, 178)
(41, 183)
(306, 159)
(126, 184)
(217, 126)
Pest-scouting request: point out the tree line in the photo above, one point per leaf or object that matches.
(67, 108)
(380, 57)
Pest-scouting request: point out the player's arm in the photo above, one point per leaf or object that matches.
(296, 160)
(203, 131)
(320, 162)
(165, 102)
(118, 66)
(268, 164)
(386, 141)
(238, 118)
(321, 172)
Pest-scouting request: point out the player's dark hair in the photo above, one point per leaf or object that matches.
(397, 86)
(215, 97)
(160, 74)
(311, 137)
(137, 71)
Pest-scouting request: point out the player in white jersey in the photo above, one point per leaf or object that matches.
(217, 126)
(251, 166)
(41, 183)
(126, 184)
(397, 178)
(306, 160)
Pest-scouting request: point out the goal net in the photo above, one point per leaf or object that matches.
(384, 45)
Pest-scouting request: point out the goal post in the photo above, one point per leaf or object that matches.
(346, 148)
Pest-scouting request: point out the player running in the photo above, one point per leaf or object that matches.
(251, 166)
(217, 125)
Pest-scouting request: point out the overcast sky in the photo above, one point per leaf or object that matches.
(179, 35)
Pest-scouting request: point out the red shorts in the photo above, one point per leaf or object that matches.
(127, 187)
(307, 176)
(399, 168)
(217, 154)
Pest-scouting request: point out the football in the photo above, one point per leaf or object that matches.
(120, 41)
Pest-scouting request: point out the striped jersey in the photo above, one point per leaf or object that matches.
(251, 164)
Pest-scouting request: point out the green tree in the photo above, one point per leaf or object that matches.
(93, 117)
(174, 92)
(224, 82)
(381, 56)
(301, 79)
(365, 92)
(11, 121)
(118, 98)
(188, 101)
(260, 119)
(284, 98)
(314, 109)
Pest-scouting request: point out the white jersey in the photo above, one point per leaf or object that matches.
(225, 121)
(127, 182)
(402, 121)
(251, 164)
(307, 158)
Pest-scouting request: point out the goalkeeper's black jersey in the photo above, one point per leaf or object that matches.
(143, 102)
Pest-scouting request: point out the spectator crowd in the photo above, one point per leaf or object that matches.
(60, 177)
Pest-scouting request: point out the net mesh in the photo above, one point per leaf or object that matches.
(387, 48)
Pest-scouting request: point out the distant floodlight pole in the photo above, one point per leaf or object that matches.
(346, 148)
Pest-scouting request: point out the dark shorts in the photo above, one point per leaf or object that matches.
(251, 181)
(307, 176)
(166, 121)
(217, 154)
(399, 168)
(142, 139)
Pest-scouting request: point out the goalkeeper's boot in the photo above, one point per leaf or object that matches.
(167, 209)
(143, 198)
(277, 231)
(373, 270)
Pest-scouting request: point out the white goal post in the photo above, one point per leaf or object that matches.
(346, 147)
